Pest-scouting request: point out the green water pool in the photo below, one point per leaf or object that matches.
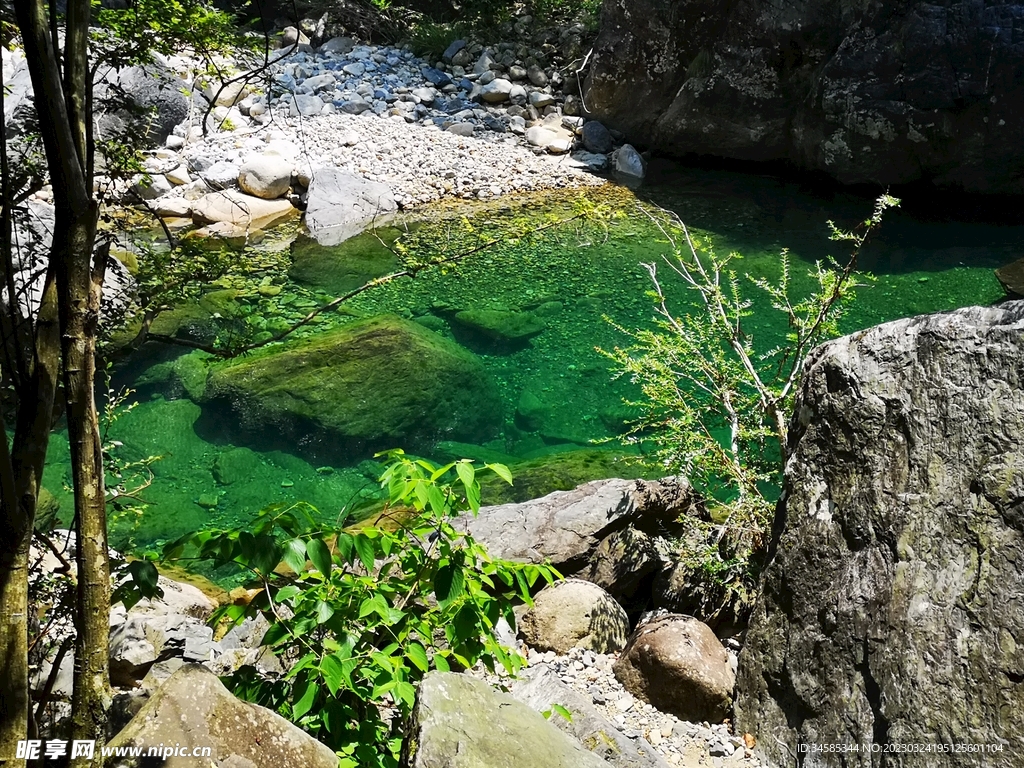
(557, 393)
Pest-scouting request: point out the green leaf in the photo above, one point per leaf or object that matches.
(295, 555)
(324, 611)
(449, 583)
(320, 555)
(286, 593)
(305, 699)
(466, 472)
(441, 663)
(336, 673)
(344, 545)
(417, 654)
(438, 505)
(560, 710)
(501, 471)
(366, 550)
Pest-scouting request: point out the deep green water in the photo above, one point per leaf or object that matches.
(572, 279)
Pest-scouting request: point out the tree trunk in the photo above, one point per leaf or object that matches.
(62, 98)
(79, 292)
(21, 472)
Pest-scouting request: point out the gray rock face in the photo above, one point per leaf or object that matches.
(575, 614)
(194, 709)
(879, 93)
(154, 90)
(265, 176)
(676, 664)
(566, 527)
(597, 138)
(892, 606)
(540, 689)
(461, 722)
(341, 205)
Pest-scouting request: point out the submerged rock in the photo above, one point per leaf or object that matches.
(891, 607)
(462, 722)
(500, 324)
(378, 383)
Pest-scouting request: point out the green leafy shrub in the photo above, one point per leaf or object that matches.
(716, 400)
(359, 617)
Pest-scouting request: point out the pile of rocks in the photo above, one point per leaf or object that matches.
(480, 123)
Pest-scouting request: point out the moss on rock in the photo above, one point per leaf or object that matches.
(381, 382)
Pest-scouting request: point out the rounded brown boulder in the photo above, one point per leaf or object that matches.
(676, 664)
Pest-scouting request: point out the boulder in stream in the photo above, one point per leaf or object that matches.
(340, 205)
(377, 383)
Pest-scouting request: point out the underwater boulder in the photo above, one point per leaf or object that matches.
(378, 383)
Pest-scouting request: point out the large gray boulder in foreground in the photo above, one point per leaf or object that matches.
(893, 605)
(340, 205)
(194, 709)
(462, 722)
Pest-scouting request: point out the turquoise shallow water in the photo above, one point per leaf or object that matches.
(571, 278)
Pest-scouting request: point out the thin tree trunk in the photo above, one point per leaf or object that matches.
(31, 437)
(79, 292)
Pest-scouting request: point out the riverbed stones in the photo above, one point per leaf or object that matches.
(193, 709)
(340, 205)
(541, 689)
(496, 91)
(372, 384)
(575, 614)
(266, 176)
(462, 722)
(891, 609)
(677, 664)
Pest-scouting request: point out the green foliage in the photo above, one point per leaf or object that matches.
(131, 36)
(359, 617)
(716, 401)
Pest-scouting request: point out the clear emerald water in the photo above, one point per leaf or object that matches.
(574, 279)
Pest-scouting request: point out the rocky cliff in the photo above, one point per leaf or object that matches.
(892, 610)
(876, 92)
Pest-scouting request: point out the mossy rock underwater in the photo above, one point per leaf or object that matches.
(378, 383)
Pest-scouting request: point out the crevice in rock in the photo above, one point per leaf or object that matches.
(873, 691)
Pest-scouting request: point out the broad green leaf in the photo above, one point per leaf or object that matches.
(449, 583)
(344, 545)
(286, 593)
(324, 611)
(405, 693)
(466, 473)
(437, 501)
(501, 471)
(441, 663)
(305, 699)
(320, 555)
(417, 654)
(365, 549)
(295, 555)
